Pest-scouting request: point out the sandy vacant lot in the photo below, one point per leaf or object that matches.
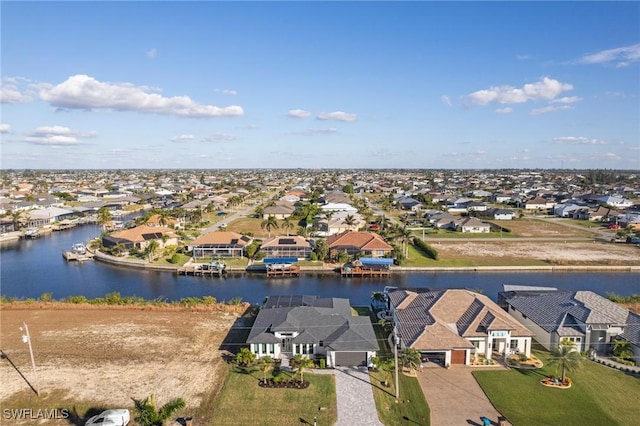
(108, 355)
(562, 252)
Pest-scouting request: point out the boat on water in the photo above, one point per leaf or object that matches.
(31, 233)
(79, 248)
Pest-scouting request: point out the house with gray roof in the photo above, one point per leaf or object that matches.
(314, 327)
(583, 317)
(454, 325)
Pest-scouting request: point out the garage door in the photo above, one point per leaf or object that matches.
(351, 359)
(457, 357)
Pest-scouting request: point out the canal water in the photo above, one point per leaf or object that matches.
(29, 268)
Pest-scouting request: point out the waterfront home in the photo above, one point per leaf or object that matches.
(315, 328)
(219, 243)
(456, 326)
(294, 246)
(140, 237)
(359, 243)
(47, 216)
(585, 318)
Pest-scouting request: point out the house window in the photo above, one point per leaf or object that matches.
(321, 343)
(272, 348)
(513, 344)
(476, 343)
(264, 348)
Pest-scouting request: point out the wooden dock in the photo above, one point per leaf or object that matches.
(198, 271)
(288, 271)
(346, 271)
(70, 256)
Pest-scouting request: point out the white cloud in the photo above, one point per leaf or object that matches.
(183, 138)
(606, 156)
(226, 91)
(5, 128)
(567, 100)
(337, 115)
(550, 108)
(217, 137)
(85, 92)
(546, 89)
(445, 100)
(577, 140)
(622, 56)
(58, 136)
(10, 93)
(522, 57)
(298, 113)
(314, 132)
(505, 110)
(152, 53)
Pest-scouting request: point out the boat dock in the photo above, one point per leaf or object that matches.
(70, 256)
(367, 267)
(31, 233)
(288, 271)
(203, 269)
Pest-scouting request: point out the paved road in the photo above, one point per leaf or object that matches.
(455, 398)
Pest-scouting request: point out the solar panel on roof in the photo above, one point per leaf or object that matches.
(286, 241)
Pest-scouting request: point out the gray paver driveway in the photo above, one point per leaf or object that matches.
(455, 398)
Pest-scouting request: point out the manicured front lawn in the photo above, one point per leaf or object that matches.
(243, 402)
(599, 395)
(411, 408)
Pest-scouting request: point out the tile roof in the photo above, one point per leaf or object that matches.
(144, 233)
(361, 240)
(444, 318)
(222, 237)
(571, 309)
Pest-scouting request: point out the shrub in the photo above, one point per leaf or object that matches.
(323, 363)
(425, 248)
(174, 259)
(77, 299)
(313, 256)
(46, 297)
(523, 357)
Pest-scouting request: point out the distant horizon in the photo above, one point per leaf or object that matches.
(320, 85)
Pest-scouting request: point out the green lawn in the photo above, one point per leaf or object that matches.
(411, 408)
(418, 259)
(599, 395)
(242, 402)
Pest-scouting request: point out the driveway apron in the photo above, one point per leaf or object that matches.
(455, 398)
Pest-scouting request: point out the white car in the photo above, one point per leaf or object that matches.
(119, 417)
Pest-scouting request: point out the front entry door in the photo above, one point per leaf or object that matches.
(286, 344)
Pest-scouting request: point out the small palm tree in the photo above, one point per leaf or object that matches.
(245, 357)
(269, 223)
(287, 224)
(147, 414)
(622, 348)
(266, 364)
(566, 358)
(301, 362)
(151, 249)
(411, 358)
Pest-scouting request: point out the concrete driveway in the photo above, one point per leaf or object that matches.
(455, 398)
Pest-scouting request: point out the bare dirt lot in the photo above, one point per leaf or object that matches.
(569, 252)
(104, 356)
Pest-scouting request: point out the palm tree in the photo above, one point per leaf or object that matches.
(269, 223)
(349, 220)
(378, 297)
(287, 224)
(151, 249)
(411, 358)
(405, 236)
(245, 357)
(622, 348)
(566, 358)
(384, 365)
(147, 414)
(328, 215)
(266, 364)
(301, 362)
(259, 211)
(16, 217)
(104, 216)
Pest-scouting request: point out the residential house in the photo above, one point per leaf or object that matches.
(538, 203)
(617, 202)
(315, 328)
(294, 246)
(472, 225)
(583, 317)
(140, 237)
(408, 203)
(500, 214)
(455, 325)
(219, 244)
(281, 210)
(48, 216)
(337, 223)
(359, 243)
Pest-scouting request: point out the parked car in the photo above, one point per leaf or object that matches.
(119, 417)
(222, 225)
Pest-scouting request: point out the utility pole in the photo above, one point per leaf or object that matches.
(27, 339)
(395, 356)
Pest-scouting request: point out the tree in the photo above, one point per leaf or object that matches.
(287, 224)
(566, 358)
(151, 249)
(245, 357)
(147, 413)
(385, 365)
(349, 220)
(104, 216)
(252, 249)
(405, 236)
(328, 215)
(269, 223)
(622, 348)
(411, 358)
(301, 362)
(259, 211)
(321, 249)
(266, 365)
(16, 217)
(378, 298)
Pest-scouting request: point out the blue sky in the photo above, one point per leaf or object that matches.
(320, 85)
